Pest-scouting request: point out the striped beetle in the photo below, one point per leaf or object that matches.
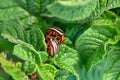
(54, 38)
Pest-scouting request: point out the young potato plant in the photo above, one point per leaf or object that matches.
(91, 50)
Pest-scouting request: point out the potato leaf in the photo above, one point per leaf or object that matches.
(32, 6)
(112, 67)
(9, 10)
(28, 53)
(92, 43)
(14, 31)
(47, 72)
(29, 67)
(64, 75)
(72, 10)
(11, 69)
(68, 60)
(113, 4)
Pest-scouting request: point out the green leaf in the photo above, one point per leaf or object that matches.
(91, 43)
(107, 18)
(10, 68)
(4, 75)
(67, 59)
(64, 75)
(14, 31)
(96, 72)
(43, 4)
(72, 10)
(112, 67)
(109, 15)
(68, 42)
(47, 72)
(96, 57)
(79, 11)
(100, 8)
(27, 53)
(32, 6)
(74, 30)
(113, 4)
(44, 56)
(29, 68)
(43, 25)
(118, 25)
(9, 10)
(6, 45)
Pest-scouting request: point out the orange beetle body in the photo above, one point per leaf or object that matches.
(55, 33)
(54, 38)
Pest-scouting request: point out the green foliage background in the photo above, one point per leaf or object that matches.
(91, 50)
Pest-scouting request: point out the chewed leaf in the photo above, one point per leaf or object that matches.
(89, 44)
(14, 31)
(11, 69)
(68, 59)
(72, 10)
(27, 53)
(112, 67)
(47, 72)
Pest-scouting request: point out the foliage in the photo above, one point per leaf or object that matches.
(91, 50)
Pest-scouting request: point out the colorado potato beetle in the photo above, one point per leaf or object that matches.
(53, 47)
(54, 38)
(55, 33)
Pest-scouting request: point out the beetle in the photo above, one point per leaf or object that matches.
(55, 33)
(54, 38)
(53, 47)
